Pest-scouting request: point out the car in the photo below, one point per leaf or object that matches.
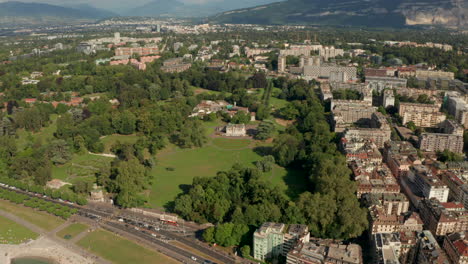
(194, 258)
(153, 235)
(121, 220)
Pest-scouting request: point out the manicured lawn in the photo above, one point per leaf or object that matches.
(109, 141)
(41, 219)
(228, 143)
(121, 251)
(72, 230)
(13, 233)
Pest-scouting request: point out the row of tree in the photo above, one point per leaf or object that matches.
(36, 203)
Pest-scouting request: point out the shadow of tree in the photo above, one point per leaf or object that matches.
(263, 150)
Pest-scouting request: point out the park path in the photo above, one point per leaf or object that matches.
(22, 222)
(103, 155)
(79, 236)
(51, 235)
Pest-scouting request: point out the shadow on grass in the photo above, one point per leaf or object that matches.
(263, 150)
(297, 182)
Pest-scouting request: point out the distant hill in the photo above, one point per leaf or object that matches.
(372, 13)
(175, 8)
(19, 13)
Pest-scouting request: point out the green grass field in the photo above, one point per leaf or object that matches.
(177, 167)
(41, 219)
(123, 251)
(109, 141)
(13, 233)
(72, 230)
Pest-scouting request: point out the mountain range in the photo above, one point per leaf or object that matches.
(372, 13)
(175, 8)
(20, 13)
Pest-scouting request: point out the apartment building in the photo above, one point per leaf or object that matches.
(348, 112)
(433, 142)
(426, 184)
(381, 83)
(325, 251)
(327, 70)
(428, 250)
(274, 239)
(454, 183)
(400, 156)
(422, 115)
(443, 218)
(380, 222)
(425, 74)
(391, 203)
(387, 248)
(377, 134)
(142, 51)
(175, 65)
(456, 247)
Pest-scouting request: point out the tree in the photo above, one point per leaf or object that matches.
(447, 156)
(265, 164)
(285, 148)
(42, 175)
(411, 126)
(124, 123)
(289, 112)
(130, 180)
(245, 251)
(59, 151)
(208, 234)
(259, 80)
(240, 117)
(265, 130)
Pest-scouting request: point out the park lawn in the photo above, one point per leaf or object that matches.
(123, 251)
(38, 218)
(109, 141)
(198, 90)
(231, 144)
(26, 138)
(13, 233)
(81, 167)
(72, 230)
(177, 167)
